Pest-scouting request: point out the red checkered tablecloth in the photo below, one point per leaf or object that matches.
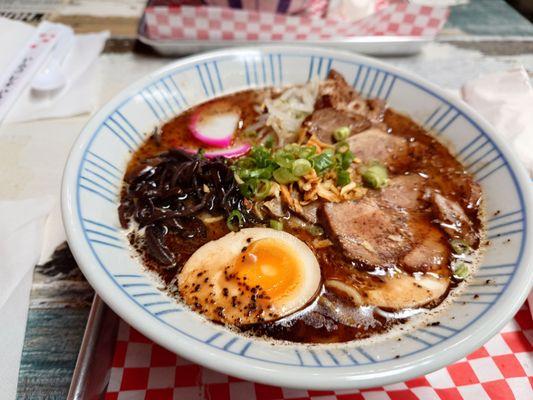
(500, 370)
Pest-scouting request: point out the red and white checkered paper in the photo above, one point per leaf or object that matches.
(500, 370)
(222, 23)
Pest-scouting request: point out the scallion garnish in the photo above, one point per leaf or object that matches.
(301, 167)
(284, 176)
(343, 177)
(269, 141)
(315, 230)
(235, 221)
(375, 176)
(263, 189)
(262, 173)
(323, 161)
(275, 224)
(344, 159)
(288, 164)
(247, 188)
(460, 270)
(459, 246)
(341, 133)
(283, 159)
(306, 151)
(342, 147)
(260, 156)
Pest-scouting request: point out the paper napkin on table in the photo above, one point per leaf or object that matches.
(351, 10)
(79, 94)
(21, 233)
(505, 99)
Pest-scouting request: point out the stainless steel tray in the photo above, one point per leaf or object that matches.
(91, 375)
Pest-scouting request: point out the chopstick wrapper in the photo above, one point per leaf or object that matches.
(22, 225)
(78, 96)
(505, 99)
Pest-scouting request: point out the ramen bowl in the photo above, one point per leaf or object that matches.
(91, 191)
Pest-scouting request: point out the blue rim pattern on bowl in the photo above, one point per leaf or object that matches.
(163, 96)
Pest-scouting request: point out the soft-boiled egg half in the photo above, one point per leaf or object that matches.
(251, 276)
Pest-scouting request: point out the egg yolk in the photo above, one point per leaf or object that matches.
(272, 265)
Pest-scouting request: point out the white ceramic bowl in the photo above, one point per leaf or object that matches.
(96, 165)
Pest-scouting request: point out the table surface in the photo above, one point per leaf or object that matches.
(483, 36)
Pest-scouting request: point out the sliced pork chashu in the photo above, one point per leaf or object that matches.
(453, 219)
(376, 235)
(404, 191)
(335, 93)
(376, 145)
(367, 232)
(324, 122)
(309, 212)
(429, 250)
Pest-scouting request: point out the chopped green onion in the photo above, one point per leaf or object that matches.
(260, 155)
(460, 270)
(306, 151)
(263, 189)
(323, 161)
(288, 164)
(341, 133)
(343, 178)
(344, 160)
(248, 188)
(315, 230)
(238, 178)
(342, 147)
(244, 163)
(301, 167)
(269, 141)
(242, 173)
(375, 176)
(256, 187)
(235, 220)
(262, 173)
(275, 224)
(283, 159)
(291, 148)
(459, 246)
(284, 176)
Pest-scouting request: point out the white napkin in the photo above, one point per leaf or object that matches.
(440, 3)
(21, 233)
(79, 96)
(351, 10)
(18, 34)
(505, 99)
(354, 10)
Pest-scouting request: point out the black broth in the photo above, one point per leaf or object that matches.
(313, 325)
